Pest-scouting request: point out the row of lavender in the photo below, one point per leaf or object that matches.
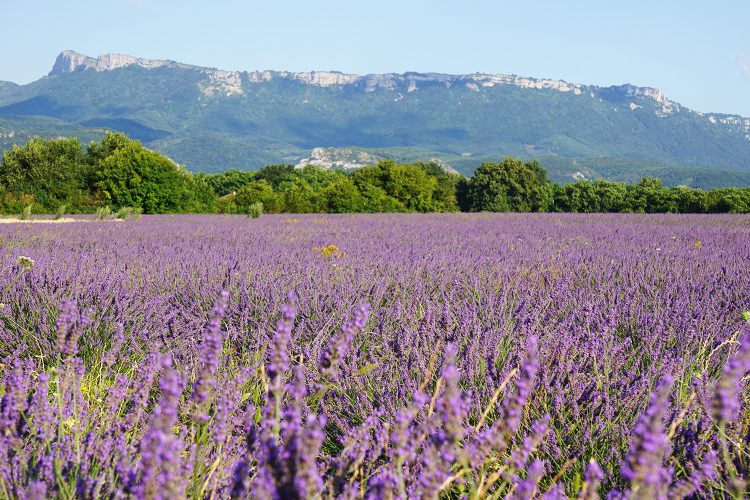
(440, 355)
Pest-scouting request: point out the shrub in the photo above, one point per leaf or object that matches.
(103, 212)
(128, 212)
(255, 210)
(25, 213)
(60, 212)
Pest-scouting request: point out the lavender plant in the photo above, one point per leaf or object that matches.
(436, 356)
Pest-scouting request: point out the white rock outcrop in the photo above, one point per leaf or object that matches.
(217, 82)
(224, 83)
(734, 122)
(337, 159)
(70, 61)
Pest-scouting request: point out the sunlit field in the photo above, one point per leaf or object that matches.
(376, 356)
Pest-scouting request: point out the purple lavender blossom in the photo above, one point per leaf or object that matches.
(613, 313)
(69, 327)
(279, 357)
(452, 404)
(41, 410)
(212, 346)
(644, 465)
(288, 466)
(693, 483)
(341, 343)
(528, 487)
(160, 447)
(592, 480)
(524, 387)
(726, 404)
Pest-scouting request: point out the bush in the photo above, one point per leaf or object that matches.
(60, 212)
(255, 210)
(25, 213)
(103, 212)
(128, 212)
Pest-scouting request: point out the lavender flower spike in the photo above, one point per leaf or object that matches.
(341, 343)
(726, 404)
(644, 467)
(514, 408)
(593, 478)
(160, 447)
(211, 350)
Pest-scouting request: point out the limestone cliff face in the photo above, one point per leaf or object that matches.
(219, 83)
(70, 61)
(229, 82)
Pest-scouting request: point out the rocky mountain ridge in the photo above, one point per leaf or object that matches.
(230, 82)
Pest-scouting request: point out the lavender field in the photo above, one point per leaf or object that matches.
(376, 356)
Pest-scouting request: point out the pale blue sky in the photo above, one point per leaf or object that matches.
(697, 52)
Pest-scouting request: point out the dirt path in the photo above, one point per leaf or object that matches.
(10, 220)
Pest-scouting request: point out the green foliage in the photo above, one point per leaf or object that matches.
(342, 196)
(60, 212)
(590, 197)
(315, 177)
(511, 185)
(463, 194)
(111, 142)
(275, 174)
(255, 210)
(445, 195)
(648, 196)
(409, 185)
(299, 197)
(132, 175)
(125, 213)
(227, 182)
(199, 196)
(258, 191)
(53, 172)
(103, 212)
(57, 175)
(25, 213)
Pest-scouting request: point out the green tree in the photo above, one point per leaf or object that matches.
(258, 191)
(445, 195)
(646, 197)
(690, 200)
(511, 185)
(409, 185)
(590, 196)
(112, 141)
(463, 197)
(729, 200)
(227, 182)
(275, 174)
(53, 171)
(300, 197)
(132, 175)
(377, 200)
(342, 196)
(316, 177)
(200, 196)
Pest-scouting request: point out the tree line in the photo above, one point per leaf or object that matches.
(45, 175)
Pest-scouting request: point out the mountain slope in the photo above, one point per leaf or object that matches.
(213, 120)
